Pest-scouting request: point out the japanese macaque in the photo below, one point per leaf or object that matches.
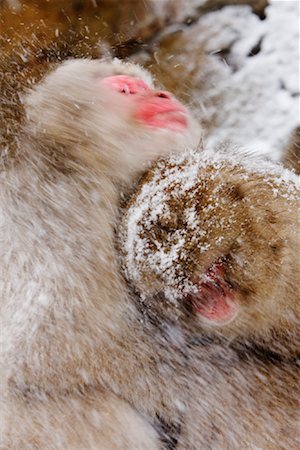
(79, 369)
(211, 241)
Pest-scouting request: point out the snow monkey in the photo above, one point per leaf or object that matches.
(211, 240)
(78, 367)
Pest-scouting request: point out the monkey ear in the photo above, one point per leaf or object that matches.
(213, 298)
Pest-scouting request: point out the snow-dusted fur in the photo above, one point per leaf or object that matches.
(75, 354)
(243, 375)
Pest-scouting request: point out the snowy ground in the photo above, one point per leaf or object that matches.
(261, 103)
(252, 96)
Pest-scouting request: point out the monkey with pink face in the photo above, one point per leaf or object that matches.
(79, 368)
(202, 357)
(211, 241)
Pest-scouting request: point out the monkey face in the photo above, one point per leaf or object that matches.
(151, 108)
(208, 230)
(108, 114)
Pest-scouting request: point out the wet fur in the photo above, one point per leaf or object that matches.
(78, 367)
(244, 376)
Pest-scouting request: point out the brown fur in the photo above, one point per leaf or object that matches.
(77, 362)
(291, 157)
(243, 375)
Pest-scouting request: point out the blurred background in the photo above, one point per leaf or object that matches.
(235, 62)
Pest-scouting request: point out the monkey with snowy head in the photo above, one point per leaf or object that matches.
(211, 242)
(78, 367)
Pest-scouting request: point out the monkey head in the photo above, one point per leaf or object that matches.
(107, 115)
(213, 233)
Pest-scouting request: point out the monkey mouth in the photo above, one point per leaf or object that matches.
(213, 297)
(173, 118)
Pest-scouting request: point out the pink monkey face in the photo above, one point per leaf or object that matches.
(152, 108)
(214, 299)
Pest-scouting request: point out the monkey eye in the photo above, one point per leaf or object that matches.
(125, 84)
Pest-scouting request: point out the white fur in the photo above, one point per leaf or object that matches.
(72, 344)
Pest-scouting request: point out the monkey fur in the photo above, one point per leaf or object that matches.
(291, 157)
(79, 368)
(85, 363)
(211, 242)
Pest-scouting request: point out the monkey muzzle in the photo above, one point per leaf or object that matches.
(213, 297)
